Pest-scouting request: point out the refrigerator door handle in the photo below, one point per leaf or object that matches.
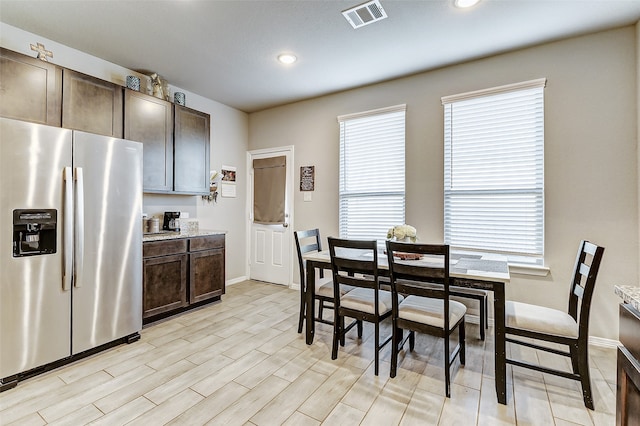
(67, 239)
(79, 237)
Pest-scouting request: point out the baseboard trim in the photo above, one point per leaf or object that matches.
(236, 281)
(603, 343)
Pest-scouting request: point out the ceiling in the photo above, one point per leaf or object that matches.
(226, 50)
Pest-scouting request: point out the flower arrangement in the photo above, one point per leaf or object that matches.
(402, 232)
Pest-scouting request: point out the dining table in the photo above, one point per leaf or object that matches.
(485, 271)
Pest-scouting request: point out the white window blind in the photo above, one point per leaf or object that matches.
(372, 187)
(494, 170)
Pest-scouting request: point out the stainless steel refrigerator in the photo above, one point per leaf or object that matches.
(70, 244)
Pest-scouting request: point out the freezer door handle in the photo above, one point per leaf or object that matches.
(67, 226)
(79, 237)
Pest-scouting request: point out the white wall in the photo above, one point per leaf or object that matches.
(229, 140)
(591, 159)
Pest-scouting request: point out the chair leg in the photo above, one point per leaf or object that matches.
(336, 334)
(447, 367)
(575, 365)
(377, 354)
(412, 340)
(483, 317)
(303, 306)
(359, 326)
(486, 312)
(462, 338)
(583, 368)
(396, 339)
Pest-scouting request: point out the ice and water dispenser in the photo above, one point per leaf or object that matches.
(34, 232)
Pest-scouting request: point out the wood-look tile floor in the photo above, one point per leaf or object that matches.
(242, 362)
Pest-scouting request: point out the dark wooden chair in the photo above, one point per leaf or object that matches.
(425, 309)
(355, 263)
(306, 242)
(569, 328)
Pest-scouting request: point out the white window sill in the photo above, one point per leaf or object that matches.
(535, 270)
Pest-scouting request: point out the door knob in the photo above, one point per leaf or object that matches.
(286, 225)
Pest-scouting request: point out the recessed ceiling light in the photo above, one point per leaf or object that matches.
(287, 58)
(465, 3)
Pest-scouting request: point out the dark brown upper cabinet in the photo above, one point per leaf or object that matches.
(91, 105)
(149, 120)
(30, 89)
(191, 151)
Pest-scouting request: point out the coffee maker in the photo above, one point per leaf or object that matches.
(171, 221)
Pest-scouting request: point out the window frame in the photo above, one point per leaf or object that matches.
(367, 181)
(508, 189)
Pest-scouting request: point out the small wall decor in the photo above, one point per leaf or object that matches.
(43, 53)
(228, 182)
(307, 178)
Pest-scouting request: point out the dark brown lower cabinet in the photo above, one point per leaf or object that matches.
(206, 268)
(182, 272)
(628, 380)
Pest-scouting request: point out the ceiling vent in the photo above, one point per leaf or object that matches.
(365, 14)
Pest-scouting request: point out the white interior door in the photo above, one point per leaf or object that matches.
(270, 245)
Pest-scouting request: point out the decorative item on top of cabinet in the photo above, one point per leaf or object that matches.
(191, 152)
(31, 89)
(91, 105)
(42, 53)
(159, 86)
(150, 120)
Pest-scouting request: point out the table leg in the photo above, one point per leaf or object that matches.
(500, 344)
(310, 315)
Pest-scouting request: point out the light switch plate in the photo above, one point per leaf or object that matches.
(307, 196)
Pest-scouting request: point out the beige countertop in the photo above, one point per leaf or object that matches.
(169, 235)
(630, 294)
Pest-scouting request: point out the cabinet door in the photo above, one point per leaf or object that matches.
(206, 274)
(164, 284)
(150, 120)
(91, 104)
(31, 89)
(191, 151)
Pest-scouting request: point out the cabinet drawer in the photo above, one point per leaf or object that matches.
(630, 329)
(163, 248)
(206, 242)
